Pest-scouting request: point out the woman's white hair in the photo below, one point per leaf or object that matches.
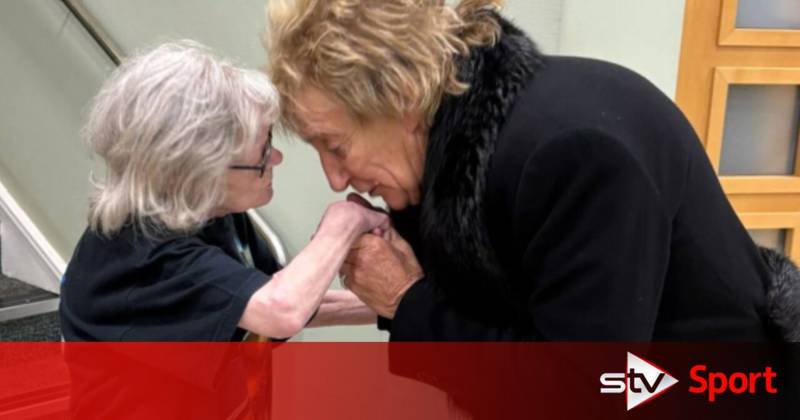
(168, 123)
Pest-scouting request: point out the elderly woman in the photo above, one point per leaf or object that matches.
(534, 197)
(169, 254)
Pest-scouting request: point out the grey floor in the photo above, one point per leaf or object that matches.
(43, 327)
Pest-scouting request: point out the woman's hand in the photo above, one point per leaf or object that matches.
(342, 307)
(283, 306)
(354, 218)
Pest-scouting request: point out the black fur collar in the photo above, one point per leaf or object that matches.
(456, 250)
(783, 294)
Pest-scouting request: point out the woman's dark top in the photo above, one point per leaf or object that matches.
(178, 288)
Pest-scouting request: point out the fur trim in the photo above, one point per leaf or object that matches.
(461, 143)
(783, 296)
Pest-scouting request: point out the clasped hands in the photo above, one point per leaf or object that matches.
(380, 267)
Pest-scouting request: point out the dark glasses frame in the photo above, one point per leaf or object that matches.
(262, 165)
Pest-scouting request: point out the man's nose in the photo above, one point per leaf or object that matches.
(335, 172)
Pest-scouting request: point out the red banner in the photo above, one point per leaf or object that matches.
(398, 381)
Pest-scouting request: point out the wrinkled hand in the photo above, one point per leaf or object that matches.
(349, 216)
(380, 269)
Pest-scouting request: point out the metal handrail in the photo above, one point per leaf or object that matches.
(115, 54)
(95, 30)
(273, 240)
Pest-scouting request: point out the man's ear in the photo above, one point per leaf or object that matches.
(416, 130)
(412, 122)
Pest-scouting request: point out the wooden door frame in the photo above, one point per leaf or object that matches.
(714, 55)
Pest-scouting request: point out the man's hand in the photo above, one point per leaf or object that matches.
(380, 269)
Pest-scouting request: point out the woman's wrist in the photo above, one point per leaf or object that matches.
(342, 307)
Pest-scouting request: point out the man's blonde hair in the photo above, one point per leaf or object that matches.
(379, 58)
(167, 124)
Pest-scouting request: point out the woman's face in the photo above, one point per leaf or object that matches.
(247, 188)
(382, 157)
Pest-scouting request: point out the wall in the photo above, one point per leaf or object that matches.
(644, 35)
(51, 68)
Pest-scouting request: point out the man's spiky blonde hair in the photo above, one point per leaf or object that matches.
(379, 58)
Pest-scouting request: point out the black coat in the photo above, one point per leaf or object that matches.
(569, 199)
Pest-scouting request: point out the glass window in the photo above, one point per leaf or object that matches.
(768, 14)
(770, 238)
(761, 130)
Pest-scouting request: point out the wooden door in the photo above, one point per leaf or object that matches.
(738, 84)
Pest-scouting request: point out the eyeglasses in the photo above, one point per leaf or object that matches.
(262, 164)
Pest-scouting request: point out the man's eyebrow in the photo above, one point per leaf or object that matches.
(310, 128)
(318, 132)
(305, 131)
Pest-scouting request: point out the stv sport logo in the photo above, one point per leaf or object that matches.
(642, 381)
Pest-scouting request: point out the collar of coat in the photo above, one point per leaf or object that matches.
(454, 237)
(457, 253)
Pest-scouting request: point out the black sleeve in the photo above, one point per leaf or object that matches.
(594, 246)
(201, 296)
(424, 314)
(384, 324)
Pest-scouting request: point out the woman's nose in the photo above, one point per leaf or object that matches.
(276, 158)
